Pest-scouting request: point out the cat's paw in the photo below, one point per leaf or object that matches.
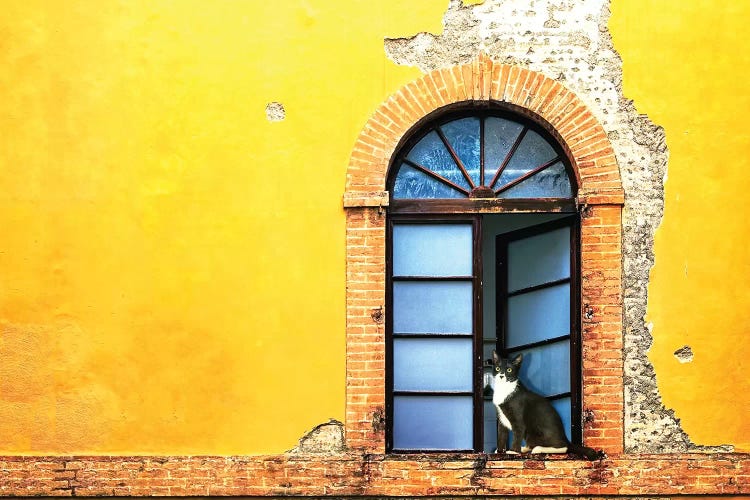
(511, 452)
(525, 449)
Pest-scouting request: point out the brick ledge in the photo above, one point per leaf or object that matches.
(372, 475)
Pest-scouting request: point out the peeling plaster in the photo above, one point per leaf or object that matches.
(275, 111)
(569, 40)
(325, 438)
(684, 354)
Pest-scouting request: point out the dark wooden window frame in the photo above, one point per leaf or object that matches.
(476, 320)
(487, 190)
(501, 260)
(481, 200)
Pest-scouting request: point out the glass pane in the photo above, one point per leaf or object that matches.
(563, 408)
(538, 315)
(434, 364)
(534, 151)
(463, 136)
(432, 307)
(432, 250)
(431, 153)
(552, 182)
(433, 423)
(490, 427)
(411, 183)
(499, 136)
(546, 369)
(539, 259)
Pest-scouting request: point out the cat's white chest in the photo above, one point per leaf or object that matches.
(502, 390)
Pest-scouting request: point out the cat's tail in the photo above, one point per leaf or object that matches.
(585, 451)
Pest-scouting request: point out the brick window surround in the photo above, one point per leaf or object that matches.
(599, 191)
(363, 468)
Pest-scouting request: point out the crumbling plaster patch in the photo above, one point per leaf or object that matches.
(684, 354)
(569, 40)
(325, 438)
(275, 111)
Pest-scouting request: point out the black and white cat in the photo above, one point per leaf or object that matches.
(531, 417)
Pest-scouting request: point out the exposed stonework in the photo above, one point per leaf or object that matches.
(684, 354)
(275, 112)
(325, 438)
(569, 40)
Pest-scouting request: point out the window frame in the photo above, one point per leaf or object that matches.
(478, 203)
(476, 321)
(574, 336)
(447, 210)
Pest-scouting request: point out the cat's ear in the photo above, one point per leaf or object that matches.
(517, 360)
(495, 357)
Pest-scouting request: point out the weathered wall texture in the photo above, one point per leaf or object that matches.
(172, 256)
(570, 40)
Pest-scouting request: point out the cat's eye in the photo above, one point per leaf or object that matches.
(497, 369)
(509, 370)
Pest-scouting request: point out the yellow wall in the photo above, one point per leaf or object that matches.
(686, 65)
(172, 263)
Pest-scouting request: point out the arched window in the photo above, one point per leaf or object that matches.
(482, 254)
(482, 156)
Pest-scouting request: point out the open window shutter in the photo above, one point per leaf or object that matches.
(536, 304)
(433, 300)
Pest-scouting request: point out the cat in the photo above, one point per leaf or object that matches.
(531, 417)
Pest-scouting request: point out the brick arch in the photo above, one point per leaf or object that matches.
(599, 189)
(593, 159)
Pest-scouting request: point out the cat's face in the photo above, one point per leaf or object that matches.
(506, 370)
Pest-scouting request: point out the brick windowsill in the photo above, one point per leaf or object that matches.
(373, 475)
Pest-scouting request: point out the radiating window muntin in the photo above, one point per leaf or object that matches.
(480, 155)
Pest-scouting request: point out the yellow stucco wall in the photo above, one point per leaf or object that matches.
(686, 65)
(172, 263)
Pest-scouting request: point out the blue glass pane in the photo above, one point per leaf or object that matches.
(552, 182)
(433, 423)
(546, 369)
(432, 249)
(431, 153)
(538, 315)
(432, 364)
(411, 183)
(533, 152)
(463, 136)
(539, 259)
(499, 136)
(563, 408)
(432, 307)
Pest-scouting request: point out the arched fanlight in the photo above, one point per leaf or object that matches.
(482, 156)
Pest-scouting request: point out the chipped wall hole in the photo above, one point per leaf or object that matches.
(275, 111)
(684, 354)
